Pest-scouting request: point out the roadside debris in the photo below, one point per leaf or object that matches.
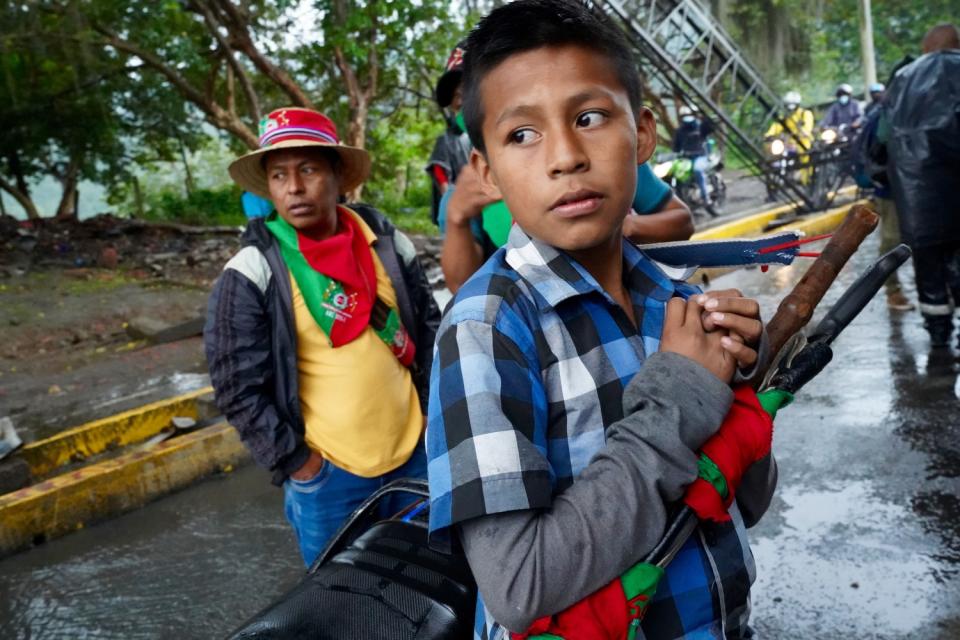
(9, 440)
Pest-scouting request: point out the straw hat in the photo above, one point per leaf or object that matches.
(291, 128)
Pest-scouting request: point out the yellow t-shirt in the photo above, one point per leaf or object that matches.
(360, 406)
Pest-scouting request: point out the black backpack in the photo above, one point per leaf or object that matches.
(376, 579)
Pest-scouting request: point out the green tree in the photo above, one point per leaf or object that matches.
(229, 59)
(55, 110)
(899, 27)
(132, 82)
(73, 113)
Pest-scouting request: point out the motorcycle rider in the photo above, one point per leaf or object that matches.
(690, 139)
(877, 90)
(797, 121)
(845, 111)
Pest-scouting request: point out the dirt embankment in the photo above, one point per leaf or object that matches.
(76, 299)
(67, 283)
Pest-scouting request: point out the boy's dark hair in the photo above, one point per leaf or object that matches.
(525, 25)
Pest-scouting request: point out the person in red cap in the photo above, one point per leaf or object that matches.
(452, 147)
(320, 331)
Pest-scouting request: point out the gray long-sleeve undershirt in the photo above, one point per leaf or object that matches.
(534, 563)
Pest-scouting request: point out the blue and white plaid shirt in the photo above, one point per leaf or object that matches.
(530, 365)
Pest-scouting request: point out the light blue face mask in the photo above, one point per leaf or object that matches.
(844, 99)
(688, 118)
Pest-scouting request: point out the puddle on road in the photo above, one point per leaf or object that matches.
(99, 401)
(158, 387)
(847, 553)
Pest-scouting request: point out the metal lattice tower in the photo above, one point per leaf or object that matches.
(684, 51)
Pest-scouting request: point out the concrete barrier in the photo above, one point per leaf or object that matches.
(72, 500)
(755, 223)
(90, 439)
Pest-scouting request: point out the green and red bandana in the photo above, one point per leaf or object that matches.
(338, 281)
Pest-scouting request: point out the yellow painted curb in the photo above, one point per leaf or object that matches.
(756, 223)
(79, 443)
(70, 501)
(823, 223)
(748, 226)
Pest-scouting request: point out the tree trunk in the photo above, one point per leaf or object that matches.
(67, 209)
(188, 175)
(138, 197)
(23, 199)
(16, 169)
(357, 137)
(216, 115)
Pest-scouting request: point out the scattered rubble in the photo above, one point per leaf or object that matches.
(175, 253)
(143, 250)
(160, 331)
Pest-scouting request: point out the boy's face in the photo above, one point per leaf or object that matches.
(562, 145)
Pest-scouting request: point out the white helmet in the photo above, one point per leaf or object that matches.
(685, 111)
(844, 88)
(793, 97)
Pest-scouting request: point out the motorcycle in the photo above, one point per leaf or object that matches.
(786, 164)
(831, 160)
(677, 170)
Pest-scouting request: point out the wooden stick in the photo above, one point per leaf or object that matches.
(797, 308)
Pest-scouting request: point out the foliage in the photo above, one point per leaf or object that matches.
(55, 107)
(399, 185)
(899, 27)
(218, 206)
(73, 112)
(820, 41)
(211, 199)
(122, 90)
(134, 82)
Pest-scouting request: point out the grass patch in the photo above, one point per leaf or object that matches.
(57, 283)
(414, 222)
(202, 207)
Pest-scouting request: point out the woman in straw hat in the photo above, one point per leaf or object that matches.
(320, 331)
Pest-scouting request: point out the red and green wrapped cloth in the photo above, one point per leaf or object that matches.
(744, 438)
(615, 611)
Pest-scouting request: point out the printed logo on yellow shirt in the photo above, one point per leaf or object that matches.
(337, 303)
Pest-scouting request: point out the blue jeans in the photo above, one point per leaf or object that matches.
(699, 173)
(317, 507)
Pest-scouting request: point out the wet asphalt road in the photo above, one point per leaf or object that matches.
(862, 540)
(863, 537)
(192, 565)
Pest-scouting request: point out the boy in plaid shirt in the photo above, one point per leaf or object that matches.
(573, 381)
